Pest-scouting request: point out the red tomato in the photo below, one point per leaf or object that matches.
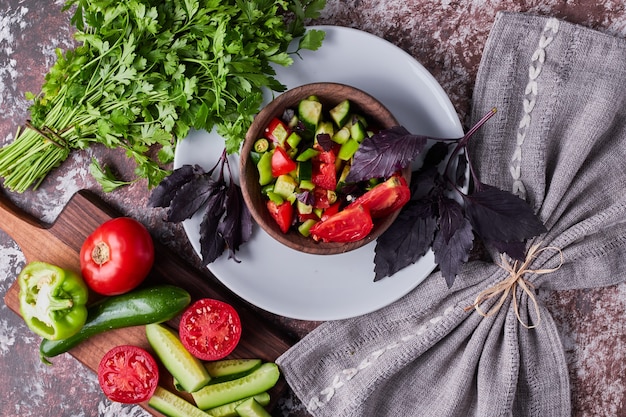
(349, 225)
(281, 162)
(210, 329)
(117, 256)
(277, 131)
(324, 175)
(281, 213)
(386, 197)
(128, 374)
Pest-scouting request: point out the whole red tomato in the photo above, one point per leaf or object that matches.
(117, 256)
(210, 329)
(128, 374)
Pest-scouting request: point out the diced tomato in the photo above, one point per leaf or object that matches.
(324, 175)
(277, 131)
(321, 198)
(386, 197)
(327, 157)
(334, 208)
(302, 217)
(281, 213)
(348, 225)
(281, 162)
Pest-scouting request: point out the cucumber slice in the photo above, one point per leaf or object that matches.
(310, 113)
(172, 405)
(231, 367)
(188, 371)
(251, 408)
(228, 410)
(260, 380)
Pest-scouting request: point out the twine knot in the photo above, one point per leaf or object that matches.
(515, 279)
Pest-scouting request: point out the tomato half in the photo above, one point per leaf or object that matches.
(210, 329)
(117, 256)
(349, 225)
(128, 374)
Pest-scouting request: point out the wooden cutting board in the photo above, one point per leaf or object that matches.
(59, 243)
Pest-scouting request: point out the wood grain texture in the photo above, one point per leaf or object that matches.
(60, 244)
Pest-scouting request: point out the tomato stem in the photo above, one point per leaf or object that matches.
(101, 253)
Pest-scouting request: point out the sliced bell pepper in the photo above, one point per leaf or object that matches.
(52, 300)
(281, 162)
(282, 214)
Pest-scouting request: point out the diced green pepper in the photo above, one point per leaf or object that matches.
(307, 154)
(265, 168)
(52, 300)
(348, 149)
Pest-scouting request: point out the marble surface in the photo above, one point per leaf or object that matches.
(446, 36)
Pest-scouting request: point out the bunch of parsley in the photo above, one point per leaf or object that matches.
(146, 71)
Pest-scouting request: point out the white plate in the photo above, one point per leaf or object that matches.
(313, 287)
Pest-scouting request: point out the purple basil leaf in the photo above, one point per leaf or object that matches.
(516, 250)
(452, 252)
(192, 195)
(406, 240)
(385, 153)
(212, 243)
(451, 218)
(325, 141)
(461, 168)
(236, 226)
(436, 154)
(163, 193)
(498, 215)
(306, 197)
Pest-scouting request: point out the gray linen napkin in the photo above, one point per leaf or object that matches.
(559, 141)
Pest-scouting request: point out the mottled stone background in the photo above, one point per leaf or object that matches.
(446, 36)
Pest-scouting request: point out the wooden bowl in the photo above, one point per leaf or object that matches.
(329, 94)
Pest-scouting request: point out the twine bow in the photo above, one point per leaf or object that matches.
(514, 280)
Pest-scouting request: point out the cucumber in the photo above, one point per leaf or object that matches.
(251, 408)
(228, 410)
(325, 128)
(310, 114)
(357, 131)
(341, 113)
(285, 186)
(173, 406)
(188, 371)
(260, 380)
(136, 308)
(231, 367)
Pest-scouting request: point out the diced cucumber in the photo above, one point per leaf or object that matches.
(294, 140)
(307, 185)
(357, 131)
(281, 133)
(285, 186)
(304, 208)
(348, 149)
(305, 170)
(173, 406)
(325, 127)
(251, 408)
(342, 135)
(310, 113)
(341, 113)
(231, 367)
(184, 367)
(228, 410)
(260, 380)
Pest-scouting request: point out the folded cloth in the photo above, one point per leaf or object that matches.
(558, 140)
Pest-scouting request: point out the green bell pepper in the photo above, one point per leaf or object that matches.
(52, 300)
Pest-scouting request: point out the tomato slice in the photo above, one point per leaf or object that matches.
(386, 197)
(349, 225)
(324, 175)
(281, 213)
(210, 329)
(128, 374)
(281, 162)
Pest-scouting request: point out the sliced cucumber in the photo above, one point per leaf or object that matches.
(310, 113)
(231, 367)
(172, 405)
(251, 408)
(188, 371)
(260, 380)
(357, 131)
(341, 113)
(228, 410)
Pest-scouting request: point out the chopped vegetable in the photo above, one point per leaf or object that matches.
(128, 374)
(147, 71)
(52, 300)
